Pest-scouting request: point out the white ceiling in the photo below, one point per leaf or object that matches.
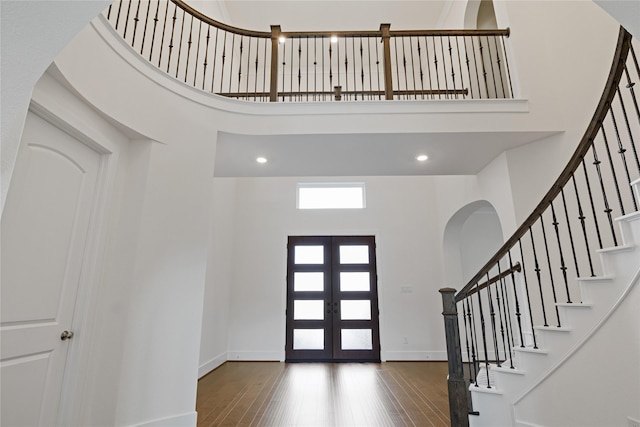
(363, 154)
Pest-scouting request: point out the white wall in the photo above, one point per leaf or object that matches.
(403, 214)
(220, 274)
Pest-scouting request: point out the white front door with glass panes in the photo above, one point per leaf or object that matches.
(332, 299)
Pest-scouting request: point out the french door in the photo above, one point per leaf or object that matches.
(332, 299)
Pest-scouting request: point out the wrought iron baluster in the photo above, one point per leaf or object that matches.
(607, 209)
(136, 19)
(233, 55)
(563, 267)
(484, 67)
(404, 66)
(206, 55)
(506, 62)
(538, 276)
(526, 288)
(499, 62)
(460, 65)
(566, 217)
(180, 44)
(223, 60)
(493, 72)
(153, 34)
(164, 29)
(126, 21)
(622, 150)
(501, 313)
(613, 169)
(248, 67)
(630, 86)
(474, 341)
(507, 318)
(437, 71)
(378, 73)
(492, 318)
(146, 23)
(453, 71)
(466, 317)
(484, 336)
(475, 64)
(421, 72)
(215, 59)
(299, 68)
(189, 43)
(517, 301)
(426, 47)
(467, 61)
(444, 70)
(173, 29)
(582, 218)
(361, 69)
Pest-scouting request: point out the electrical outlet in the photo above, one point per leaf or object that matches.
(633, 422)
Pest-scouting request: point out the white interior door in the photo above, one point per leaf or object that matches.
(44, 233)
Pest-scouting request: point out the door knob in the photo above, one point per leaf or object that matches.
(66, 335)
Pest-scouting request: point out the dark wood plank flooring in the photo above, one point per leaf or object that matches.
(324, 394)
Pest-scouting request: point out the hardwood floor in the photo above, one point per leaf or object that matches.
(324, 394)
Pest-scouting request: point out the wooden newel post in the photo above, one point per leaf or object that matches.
(273, 85)
(386, 58)
(458, 407)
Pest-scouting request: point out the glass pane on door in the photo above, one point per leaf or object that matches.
(356, 339)
(354, 281)
(354, 254)
(309, 255)
(355, 310)
(308, 282)
(308, 309)
(308, 339)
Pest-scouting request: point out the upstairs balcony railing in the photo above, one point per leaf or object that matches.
(314, 66)
(519, 290)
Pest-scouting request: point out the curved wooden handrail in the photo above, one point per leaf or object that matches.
(204, 18)
(617, 68)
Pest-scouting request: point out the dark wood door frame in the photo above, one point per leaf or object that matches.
(332, 296)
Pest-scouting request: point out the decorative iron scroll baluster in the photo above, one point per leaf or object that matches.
(507, 319)
(492, 318)
(444, 69)
(453, 71)
(493, 73)
(426, 58)
(223, 58)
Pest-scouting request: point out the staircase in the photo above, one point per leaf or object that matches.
(549, 329)
(578, 374)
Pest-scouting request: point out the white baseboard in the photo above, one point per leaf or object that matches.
(183, 420)
(211, 364)
(389, 356)
(256, 356)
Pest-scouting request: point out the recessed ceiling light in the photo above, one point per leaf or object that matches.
(422, 157)
(261, 160)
